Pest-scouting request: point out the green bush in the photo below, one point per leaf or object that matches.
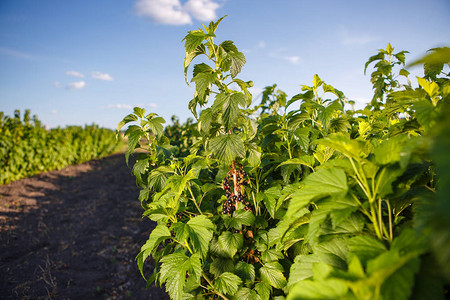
(298, 198)
(27, 148)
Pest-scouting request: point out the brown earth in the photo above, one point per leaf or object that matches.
(74, 234)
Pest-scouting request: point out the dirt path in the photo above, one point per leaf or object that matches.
(74, 234)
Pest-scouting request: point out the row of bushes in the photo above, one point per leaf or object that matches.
(27, 148)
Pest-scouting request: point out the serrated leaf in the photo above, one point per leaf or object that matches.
(324, 182)
(140, 112)
(200, 232)
(333, 252)
(201, 68)
(245, 271)
(426, 113)
(157, 178)
(134, 134)
(221, 265)
(193, 39)
(244, 87)
(190, 56)
(173, 272)
(246, 294)
(306, 160)
(227, 147)
(345, 145)
(240, 217)
(301, 269)
(237, 62)
(264, 290)
(158, 235)
(231, 242)
(318, 290)
(203, 82)
(436, 56)
(129, 118)
(270, 198)
(156, 126)
(227, 283)
(272, 273)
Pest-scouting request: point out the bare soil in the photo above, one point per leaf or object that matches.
(74, 234)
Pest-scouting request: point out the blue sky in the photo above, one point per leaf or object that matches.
(82, 62)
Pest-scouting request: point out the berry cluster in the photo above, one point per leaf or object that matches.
(233, 184)
(252, 256)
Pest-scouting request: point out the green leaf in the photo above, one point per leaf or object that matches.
(394, 273)
(333, 252)
(206, 117)
(200, 232)
(366, 247)
(173, 272)
(193, 39)
(389, 150)
(227, 147)
(237, 62)
(213, 25)
(245, 271)
(240, 217)
(270, 197)
(324, 182)
(232, 58)
(231, 242)
(203, 82)
(221, 265)
(426, 113)
(201, 68)
(437, 56)
(157, 178)
(271, 255)
(306, 160)
(345, 145)
(317, 81)
(140, 112)
(229, 104)
(272, 273)
(190, 56)
(301, 269)
(246, 294)
(129, 118)
(318, 290)
(264, 290)
(244, 87)
(158, 235)
(134, 134)
(227, 283)
(156, 126)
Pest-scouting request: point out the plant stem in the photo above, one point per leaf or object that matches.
(187, 245)
(214, 289)
(391, 234)
(193, 199)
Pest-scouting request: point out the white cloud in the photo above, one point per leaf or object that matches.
(203, 10)
(261, 44)
(352, 38)
(119, 106)
(54, 111)
(75, 74)
(76, 85)
(15, 53)
(101, 76)
(293, 59)
(128, 106)
(57, 84)
(172, 12)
